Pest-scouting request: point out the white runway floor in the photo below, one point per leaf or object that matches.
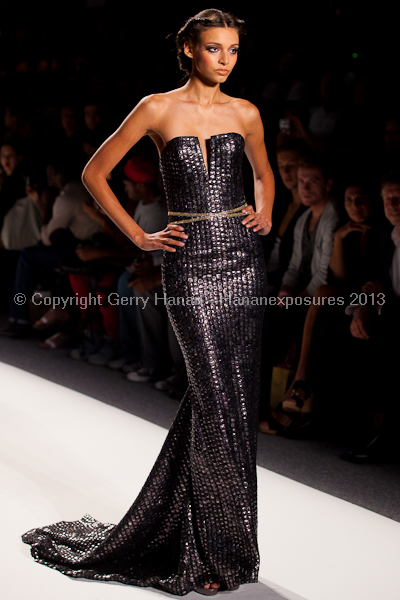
(64, 454)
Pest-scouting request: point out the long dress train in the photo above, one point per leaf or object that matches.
(195, 519)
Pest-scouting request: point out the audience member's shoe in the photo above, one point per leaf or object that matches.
(266, 428)
(58, 340)
(300, 398)
(375, 450)
(91, 343)
(131, 367)
(16, 330)
(278, 421)
(108, 351)
(142, 375)
(54, 316)
(118, 363)
(166, 384)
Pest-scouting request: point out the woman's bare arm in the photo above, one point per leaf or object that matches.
(264, 181)
(141, 121)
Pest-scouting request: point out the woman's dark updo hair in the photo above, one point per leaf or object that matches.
(191, 30)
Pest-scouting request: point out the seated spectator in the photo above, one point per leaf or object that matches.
(307, 270)
(278, 245)
(67, 138)
(379, 325)
(313, 233)
(68, 226)
(13, 185)
(94, 132)
(21, 124)
(141, 345)
(357, 350)
(350, 265)
(12, 188)
(150, 318)
(69, 221)
(23, 222)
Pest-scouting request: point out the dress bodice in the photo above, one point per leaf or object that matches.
(192, 187)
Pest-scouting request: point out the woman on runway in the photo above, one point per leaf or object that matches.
(193, 526)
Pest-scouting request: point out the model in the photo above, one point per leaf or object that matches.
(193, 526)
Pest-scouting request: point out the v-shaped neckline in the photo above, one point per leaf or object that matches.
(205, 160)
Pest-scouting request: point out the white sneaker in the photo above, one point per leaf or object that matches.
(132, 366)
(141, 375)
(119, 363)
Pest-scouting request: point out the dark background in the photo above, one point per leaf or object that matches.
(324, 34)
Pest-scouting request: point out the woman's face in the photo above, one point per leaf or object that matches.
(357, 204)
(287, 164)
(215, 55)
(9, 159)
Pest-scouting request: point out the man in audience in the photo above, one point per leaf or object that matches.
(308, 269)
(278, 245)
(147, 317)
(313, 234)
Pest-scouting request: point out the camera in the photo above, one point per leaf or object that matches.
(285, 126)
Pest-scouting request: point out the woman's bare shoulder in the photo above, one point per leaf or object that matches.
(248, 111)
(158, 100)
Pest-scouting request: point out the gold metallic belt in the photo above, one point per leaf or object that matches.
(232, 212)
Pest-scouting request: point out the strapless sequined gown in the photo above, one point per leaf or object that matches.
(195, 519)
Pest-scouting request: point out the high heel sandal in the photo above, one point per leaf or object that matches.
(206, 591)
(277, 423)
(224, 588)
(296, 404)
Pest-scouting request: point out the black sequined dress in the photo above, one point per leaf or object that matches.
(195, 519)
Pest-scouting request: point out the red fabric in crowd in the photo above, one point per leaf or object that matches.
(108, 321)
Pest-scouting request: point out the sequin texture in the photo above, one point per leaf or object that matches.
(195, 519)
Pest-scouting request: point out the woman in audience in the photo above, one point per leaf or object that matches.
(350, 263)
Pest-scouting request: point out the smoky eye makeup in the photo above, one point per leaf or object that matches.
(213, 48)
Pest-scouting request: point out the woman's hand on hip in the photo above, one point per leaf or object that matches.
(163, 240)
(256, 220)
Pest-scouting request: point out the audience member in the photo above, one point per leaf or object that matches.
(350, 265)
(278, 245)
(68, 226)
(377, 324)
(13, 184)
(145, 278)
(307, 270)
(354, 354)
(94, 133)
